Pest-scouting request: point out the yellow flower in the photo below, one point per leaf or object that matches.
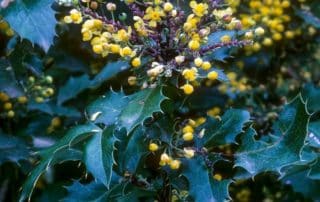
(198, 61)
(190, 74)
(167, 7)
(217, 177)
(199, 9)
(219, 14)
(187, 129)
(188, 153)
(187, 136)
(114, 48)
(153, 147)
(132, 80)
(22, 99)
(165, 159)
(206, 65)
(213, 75)
(175, 164)
(98, 49)
(136, 62)
(194, 45)
(187, 89)
(267, 42)
(76, 16)
(7, 106)
(259, 31)
(153, 15)
(126, 51)
(225, 38)
(123, 35)
(10, 114)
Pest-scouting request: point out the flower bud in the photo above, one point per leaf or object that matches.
(111, 7)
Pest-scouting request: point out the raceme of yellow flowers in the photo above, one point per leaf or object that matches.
(183, 52)
(273, 15)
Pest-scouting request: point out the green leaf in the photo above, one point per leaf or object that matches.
(130, 149)
(73, 87)
(126, 111)
(292, 123)
(312, 95)
(98, 155)
(94, 191)
(202, 185)
(53, 109)
(298, 178)
(76, 85)
(12, 149)
(107, 108)
(8, 82)
(308, 17)
(314, 172)
(141, 106)
(314, 134)
(225, 130)
(33, 20)
(109, 71)
(50, 155)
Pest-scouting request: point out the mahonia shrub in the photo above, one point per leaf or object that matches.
(155, 100)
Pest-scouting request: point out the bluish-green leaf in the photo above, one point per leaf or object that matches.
(51, 154)
(141, 106)
(107, 108)
(130, 149)
(8, 82)
(98, 155)
(202, 185)
(13, 149)
(33, 20)
(286, 150)
(225, 130)
(94, 191)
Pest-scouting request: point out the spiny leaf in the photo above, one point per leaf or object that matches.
(98, 155)
(225, 130)
(76, 85)
(33, 20)
(140, 107)
(94, 191)
(286, 150)
(107, 108)
(50, 154)
(12, 149)
(130, 150)
(202, 185)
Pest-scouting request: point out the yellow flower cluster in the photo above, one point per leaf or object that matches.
(41, 89)
(272, 15)
(74, 17)
(236, 84)
(153, 22)
(188, 129)
(165, 159)
(7, 106)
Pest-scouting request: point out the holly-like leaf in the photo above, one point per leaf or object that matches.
(107, 108)
(73, 87)
(130, 149)
(94, 191)
(141, 106)
(8, 82)
(98, 155)
(292, 127)
(54, 153)
(126, 111)
(225, 130)
(76, 85)
(298, 178)
(314, 134)
(12, 149)
(202, 185)
(33, 20)
(312, 95)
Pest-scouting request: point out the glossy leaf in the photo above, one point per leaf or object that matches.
(98, 155)
(286, 150)
(33, 20)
